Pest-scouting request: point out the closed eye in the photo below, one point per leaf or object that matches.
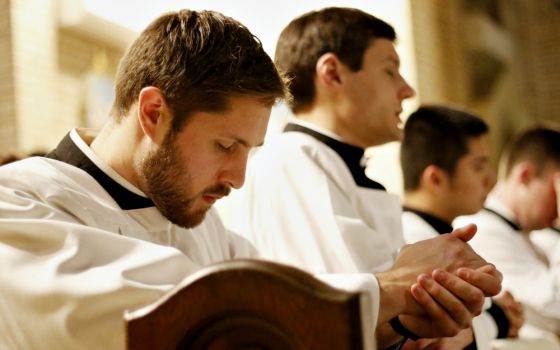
(225, 146)
(391, 73)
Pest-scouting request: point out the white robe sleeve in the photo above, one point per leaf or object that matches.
(66, 286)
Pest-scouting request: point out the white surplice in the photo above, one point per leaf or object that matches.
(301, 205)
(79, 245)
(526, 272)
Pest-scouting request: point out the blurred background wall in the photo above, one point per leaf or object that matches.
(500, 58)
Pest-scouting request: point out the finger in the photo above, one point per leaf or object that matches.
(517, 308)
(432, 346)
(489, 284)
(411, 345)
(465, 233)
(493, 271)
(516, 324)
(507, 295)
(459, 298)
(471, 297)
(438, 303)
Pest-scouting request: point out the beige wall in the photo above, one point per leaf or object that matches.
(43, 70)
(525, 39)
(8, 137)
(536, 26)
(45, 62)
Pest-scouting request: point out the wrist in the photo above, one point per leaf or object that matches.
(394, 296)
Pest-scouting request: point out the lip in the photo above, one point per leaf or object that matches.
(400, 123)
(210, 199)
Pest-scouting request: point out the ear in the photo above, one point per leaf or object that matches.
(153, 114)
(524, 172)
(433, 178)
(327, 70)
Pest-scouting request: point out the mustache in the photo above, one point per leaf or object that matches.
(218, 190)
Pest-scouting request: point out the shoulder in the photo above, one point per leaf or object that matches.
(38, 172)
(485, 222)
(415, 228)
(294, 151)
(290, 145)
(43, 187)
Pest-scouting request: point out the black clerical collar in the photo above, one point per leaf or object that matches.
(68, 152)
(437, 224)
(351, 155)
(511, 224)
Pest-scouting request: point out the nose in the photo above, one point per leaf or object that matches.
(406, 91)
(234, 173)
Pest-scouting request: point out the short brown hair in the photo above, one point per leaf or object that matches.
(539, 144)
(436, 135)
(198, 60)
(345, 32)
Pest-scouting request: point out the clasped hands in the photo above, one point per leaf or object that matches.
(436, 287)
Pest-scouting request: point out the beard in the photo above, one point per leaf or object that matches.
(167, 183)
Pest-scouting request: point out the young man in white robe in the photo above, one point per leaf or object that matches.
(109, 221)
(307, 200)
(524, 199)
(445, 161)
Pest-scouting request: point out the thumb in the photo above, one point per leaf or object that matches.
(465, 233)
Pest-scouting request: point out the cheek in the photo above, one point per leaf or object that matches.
(552, 203)
(542, 204)
(474, 189)
(205, 170)
(472, 184)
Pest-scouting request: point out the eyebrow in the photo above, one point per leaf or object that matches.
(393, 60)
(480, 159)
(244, 142)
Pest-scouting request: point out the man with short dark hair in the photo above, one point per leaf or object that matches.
(307, 200)
(109, 221)
(445, 161)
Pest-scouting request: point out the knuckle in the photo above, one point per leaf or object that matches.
(477, 298)
(457, 309)
(451, 330)
(465, 323)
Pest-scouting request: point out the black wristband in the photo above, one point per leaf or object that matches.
(500, 318)
(399, 328)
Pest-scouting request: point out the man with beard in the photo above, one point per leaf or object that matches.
(109, 221)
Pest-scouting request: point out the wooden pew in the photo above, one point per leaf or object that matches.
(250, 304)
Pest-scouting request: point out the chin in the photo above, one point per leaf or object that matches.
(398, 135)
(187, 220)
